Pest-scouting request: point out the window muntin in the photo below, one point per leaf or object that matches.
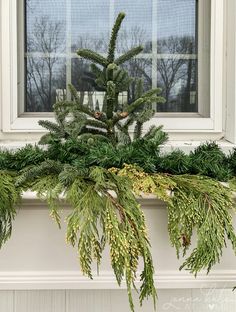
(167, 29)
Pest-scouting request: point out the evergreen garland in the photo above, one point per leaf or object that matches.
(10, 197)
(91, 159)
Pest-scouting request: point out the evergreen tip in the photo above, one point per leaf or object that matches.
(121, 15)
(112, 66)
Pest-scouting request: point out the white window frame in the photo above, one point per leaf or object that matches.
(230, 71)
(175, 123)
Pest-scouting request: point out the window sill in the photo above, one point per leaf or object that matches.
(184, 145)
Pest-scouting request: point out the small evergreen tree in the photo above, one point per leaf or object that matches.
(121, 220)
(76, 119)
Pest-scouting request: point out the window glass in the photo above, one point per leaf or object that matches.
(137, 26)
(45, 64)
(89, 24)
(168, 30)
(176, 54)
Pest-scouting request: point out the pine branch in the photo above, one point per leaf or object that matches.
(32, 173)
(96, 70)
(139, 102)
(143, 116)
(94, 131)
(114, 34)
(138, 130)
(62, 109)
(156, 134)
(111, 97)
(128, 55)
(93, 56)
(150, 133)
(96, 123)
(83, 109)
(138, 88)
(111, 68)
(134, 106)
(151, 92)
(46, 139)
(74, 93)
(52, 127)
(10, 197)
(93, 137)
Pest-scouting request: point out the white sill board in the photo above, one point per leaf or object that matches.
(185, 146)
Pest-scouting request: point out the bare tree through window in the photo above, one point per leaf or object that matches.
(54, 33)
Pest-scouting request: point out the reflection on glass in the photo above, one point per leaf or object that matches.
(176, 37)
(90, 24)
(93, 95)
(177, 78)
(82, 79)
(55, 29)
(45, 83)
(137, 26)
(45, 26)
(176, 45)
(176, 19)
(139, 68)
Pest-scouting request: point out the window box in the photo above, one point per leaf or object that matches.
(37, 257)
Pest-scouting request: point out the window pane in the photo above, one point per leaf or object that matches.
(139, 68)
(45, 26)
(45, 41)
(45, 82)
(90, 24)
(177, 21)
(83, 81)
(177, 59)
(137, 26)
(177, 78)
(168, 30)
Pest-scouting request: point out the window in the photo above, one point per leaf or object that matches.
(182, 55)
(167, 29)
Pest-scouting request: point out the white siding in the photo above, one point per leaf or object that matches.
(39, 301)
(7, 301)
(207, 300)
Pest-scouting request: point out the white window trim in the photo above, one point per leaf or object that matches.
(12, 123)
(230, 71)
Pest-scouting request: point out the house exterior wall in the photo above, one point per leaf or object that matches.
(187, 300)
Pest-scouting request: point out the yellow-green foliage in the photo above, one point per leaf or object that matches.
(145, 183)
(194, 203)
